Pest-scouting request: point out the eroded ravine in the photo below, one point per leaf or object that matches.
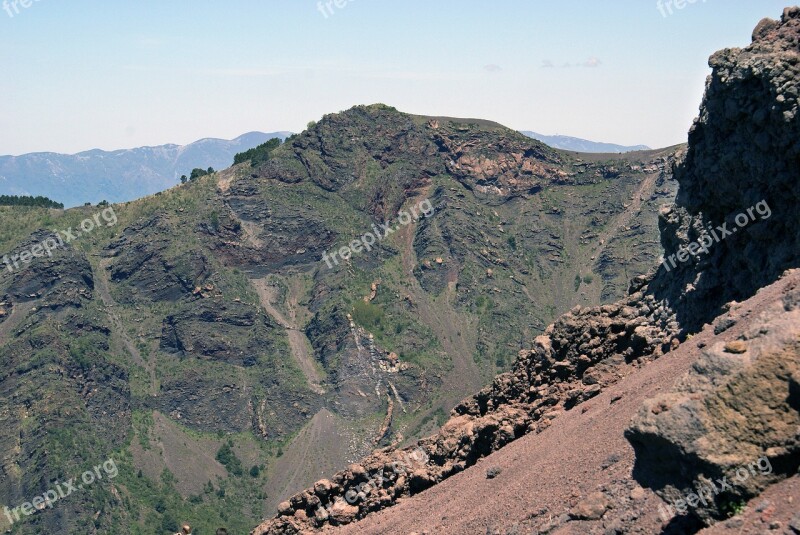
(299, 344)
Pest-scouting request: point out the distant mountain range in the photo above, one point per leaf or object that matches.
(120, 175)
(581, 145)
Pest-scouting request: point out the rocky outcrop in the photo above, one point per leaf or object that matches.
(740, 172)
(63, 278)
(496, 165)
(213, 329)
(731, 427)
(144, 259)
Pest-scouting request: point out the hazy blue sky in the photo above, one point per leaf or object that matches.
(83, 74)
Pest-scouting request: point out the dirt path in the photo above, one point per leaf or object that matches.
(623, 219)
(119, 334)
(299, 344)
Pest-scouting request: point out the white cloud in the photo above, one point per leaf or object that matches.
(592, 62)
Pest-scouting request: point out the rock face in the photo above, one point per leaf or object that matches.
(740, 406)
(142, 260)
(744, 154)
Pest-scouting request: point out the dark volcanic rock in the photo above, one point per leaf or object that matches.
(145, 260)
(213, 329)
(744, 154)
(62, 279)
(738, 412)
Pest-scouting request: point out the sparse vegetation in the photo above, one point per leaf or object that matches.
(367, 315)
(731, 508)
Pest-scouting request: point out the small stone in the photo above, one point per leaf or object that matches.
(343, 512)
(323, 487)
(736, 346)
(610, 461)
(357, 470)
(762, 506)
(285, 508)
(593, 507)
(638, 494)
(734, 523)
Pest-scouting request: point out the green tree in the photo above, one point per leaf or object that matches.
(197, 173)
(41, 202)
(259, 154)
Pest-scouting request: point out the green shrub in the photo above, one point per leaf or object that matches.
(197, 173)
(229, 460)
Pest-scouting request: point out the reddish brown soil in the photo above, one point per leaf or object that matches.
(543, 477)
